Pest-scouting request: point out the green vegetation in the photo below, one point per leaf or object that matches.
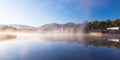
(102, 25)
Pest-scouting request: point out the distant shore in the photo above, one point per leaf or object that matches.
(103, 34)
(24, 35)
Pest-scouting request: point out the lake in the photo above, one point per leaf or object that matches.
(61, 48)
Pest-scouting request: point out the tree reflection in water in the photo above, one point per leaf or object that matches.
(107, 41)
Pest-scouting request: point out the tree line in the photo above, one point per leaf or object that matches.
(101, 25)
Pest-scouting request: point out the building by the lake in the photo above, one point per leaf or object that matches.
(113, 30)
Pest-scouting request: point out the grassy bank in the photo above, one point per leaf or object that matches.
(7, 36)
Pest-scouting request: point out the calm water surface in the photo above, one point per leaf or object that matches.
(72, 48)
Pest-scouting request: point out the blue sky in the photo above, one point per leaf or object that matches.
(40, 12)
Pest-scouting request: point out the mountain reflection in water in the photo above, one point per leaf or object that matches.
(61, 48)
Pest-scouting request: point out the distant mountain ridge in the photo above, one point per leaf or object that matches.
(21, 26)
(47, 28)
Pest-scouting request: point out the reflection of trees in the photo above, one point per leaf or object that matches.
(101, 42)
(94, 41)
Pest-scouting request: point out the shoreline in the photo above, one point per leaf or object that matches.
(28, 35)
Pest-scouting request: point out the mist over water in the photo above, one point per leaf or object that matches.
(60, 48)
(56, 41)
